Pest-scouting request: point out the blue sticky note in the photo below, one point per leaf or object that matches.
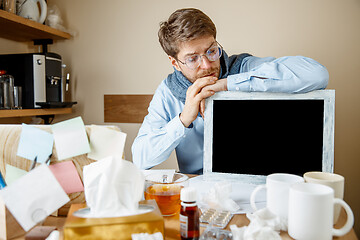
(35, 142)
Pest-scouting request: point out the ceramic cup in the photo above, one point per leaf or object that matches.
(277, 193)
(311, 209)
(335, 181)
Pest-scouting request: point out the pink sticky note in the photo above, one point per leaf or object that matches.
(67, 176)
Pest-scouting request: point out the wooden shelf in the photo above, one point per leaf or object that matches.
(20, 29)
(33, 112)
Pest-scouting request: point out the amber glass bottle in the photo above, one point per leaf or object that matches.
(189, 214)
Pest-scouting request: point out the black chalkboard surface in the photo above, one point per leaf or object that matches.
(260, 137)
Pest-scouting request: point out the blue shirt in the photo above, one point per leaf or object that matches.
(162, 130)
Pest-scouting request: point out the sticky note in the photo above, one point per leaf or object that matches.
(34, 196)
(106, 142)
(70, 138)
(68, 177)
(35, 142)
(13, 173)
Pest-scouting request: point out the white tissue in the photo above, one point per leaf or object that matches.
(146, 236)
(264, 217)
(113, 187)
(264, 225)
(218, 197)
(54, 235)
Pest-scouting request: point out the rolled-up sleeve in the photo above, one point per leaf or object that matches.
(158, 136)
(295, 74)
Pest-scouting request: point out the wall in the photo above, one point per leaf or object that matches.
(116, 51)
(8, 46)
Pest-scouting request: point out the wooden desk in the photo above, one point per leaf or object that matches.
(172, 226)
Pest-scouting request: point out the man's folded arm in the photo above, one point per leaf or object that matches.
(295, 74)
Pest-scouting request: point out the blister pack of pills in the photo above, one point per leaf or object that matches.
(215, 218)
(216, 234)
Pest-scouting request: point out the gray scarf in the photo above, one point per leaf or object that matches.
(178, 83)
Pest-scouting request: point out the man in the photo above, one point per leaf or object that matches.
(201, 68)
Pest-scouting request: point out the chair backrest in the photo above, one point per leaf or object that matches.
(122, 108)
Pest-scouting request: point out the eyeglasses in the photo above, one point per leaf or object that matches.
(212, 54)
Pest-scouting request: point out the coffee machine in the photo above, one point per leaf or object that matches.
(40, 76)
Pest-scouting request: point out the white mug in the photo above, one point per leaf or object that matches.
(277, 193)
(311, 209)
(335, 181)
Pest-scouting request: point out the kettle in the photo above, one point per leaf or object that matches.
(29, 9)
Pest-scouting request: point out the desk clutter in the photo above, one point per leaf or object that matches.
(215, 218)
(47, 168)
(41, 169)
(292, 204)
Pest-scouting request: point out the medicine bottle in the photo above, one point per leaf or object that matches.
(189, 214)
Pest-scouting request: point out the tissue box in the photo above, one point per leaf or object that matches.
(113, 228)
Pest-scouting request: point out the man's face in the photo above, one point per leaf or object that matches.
(197, 46)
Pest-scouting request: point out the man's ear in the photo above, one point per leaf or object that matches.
(174, 63)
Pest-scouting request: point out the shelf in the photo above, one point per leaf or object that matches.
(33, 112)
(20, 29)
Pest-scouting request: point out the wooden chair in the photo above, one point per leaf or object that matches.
(126, 108)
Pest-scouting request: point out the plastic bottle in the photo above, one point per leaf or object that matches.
(189, 214)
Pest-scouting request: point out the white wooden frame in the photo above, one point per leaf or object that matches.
(328, 134)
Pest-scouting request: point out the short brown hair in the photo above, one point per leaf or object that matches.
(184, 25)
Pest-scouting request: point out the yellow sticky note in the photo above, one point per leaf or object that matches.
(106, 142)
